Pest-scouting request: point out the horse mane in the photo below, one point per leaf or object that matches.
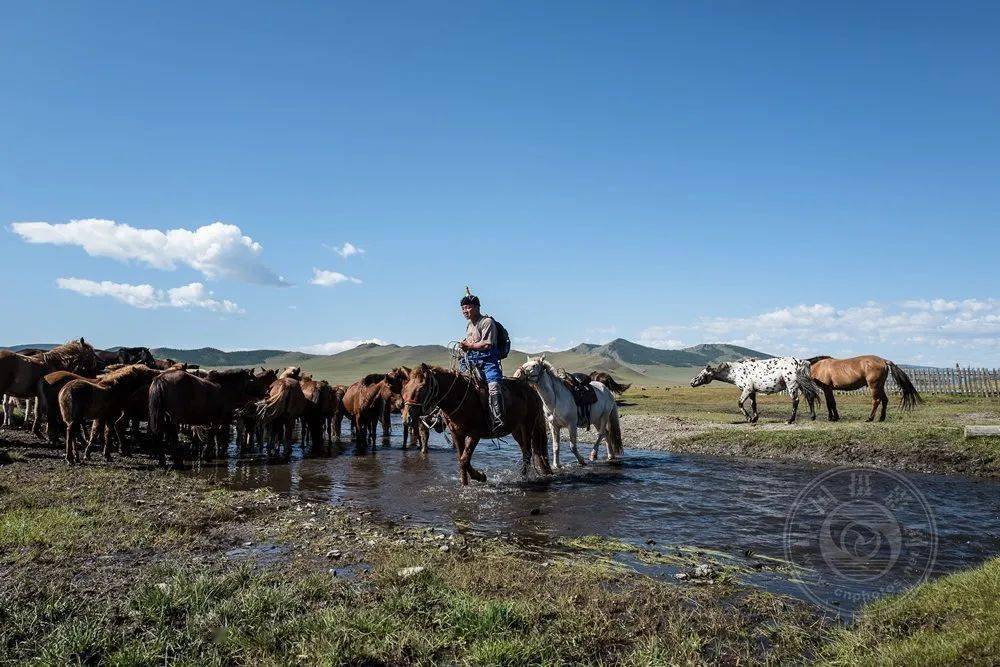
(372, 378)
(813, 360)
(72, 353)
(124, 373)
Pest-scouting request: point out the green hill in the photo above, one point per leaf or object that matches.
(627, 361)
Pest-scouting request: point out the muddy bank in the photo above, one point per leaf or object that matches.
(124, 563)
(895, 445)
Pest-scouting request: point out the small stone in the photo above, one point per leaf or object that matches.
(703, 570)
(334, 554)
(650, 541)
(407, 572)
(163, 587)
(248, 544)
(535, 511)
(444, 547)
(680, 575)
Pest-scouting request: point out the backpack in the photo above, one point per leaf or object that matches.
(503, 339)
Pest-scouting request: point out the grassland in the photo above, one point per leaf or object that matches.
(707, 420)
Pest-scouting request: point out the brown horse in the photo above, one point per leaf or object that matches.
(19, 374)
(101, 400)
(609, 382)
(48, 400)
(463, 405)
(415, 428)
(848, 374)
(334, 412)
(364, 403)
(179, 397)
(321, 406)
(284, 404)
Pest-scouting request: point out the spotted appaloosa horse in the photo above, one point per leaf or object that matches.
(768, 376)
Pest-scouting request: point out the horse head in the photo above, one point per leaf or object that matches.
(417, 393)
(533, 369)
(704, 377)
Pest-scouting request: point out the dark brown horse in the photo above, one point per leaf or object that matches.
(102, 401)
(321, 405)
(609, 382)
(178, 397)
(849, 374)
(463, 405)
(48, 400)
(334, 412)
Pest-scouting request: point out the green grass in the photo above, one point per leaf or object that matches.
(930, 437)
(953, 620)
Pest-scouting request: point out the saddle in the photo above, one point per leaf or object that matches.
(583, 395)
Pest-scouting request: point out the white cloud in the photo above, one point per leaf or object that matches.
(331, 278)
(348, 250)
(335, 346)
(194, 295)
(930, 330)
(217, 250)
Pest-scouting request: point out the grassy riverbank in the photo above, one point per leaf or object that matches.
(121, 564)
(706, 420)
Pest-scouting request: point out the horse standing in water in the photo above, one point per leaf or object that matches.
(561, 410)
(768, 376)
(848, 374)
(463, 405)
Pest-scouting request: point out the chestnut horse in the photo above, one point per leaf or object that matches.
(463, 405)
(609, 382)
(284, 404)
(19, 374)
(831, 374)
(103, 401)
(364, 402)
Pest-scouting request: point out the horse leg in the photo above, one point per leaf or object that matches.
(470, 447)
(884, 398)
(875, 401)
(425, 437)
(523, 439)
(95, 429)
(572, 442)
(795, 404)
(70, 428)
(118, 438)
(36, 426)
(554, 432)
(831, 404)
(744, 396)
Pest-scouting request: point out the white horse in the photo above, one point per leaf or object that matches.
(768, 376)
(561, 411)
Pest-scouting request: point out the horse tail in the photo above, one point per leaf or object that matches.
(813, 360)
(615, 434)
(806, 384)
(272, 406)
(157, 413)
(910, 397)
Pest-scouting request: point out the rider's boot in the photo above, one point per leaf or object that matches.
(496, 407)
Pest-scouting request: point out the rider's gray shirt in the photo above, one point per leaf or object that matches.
(484, 329)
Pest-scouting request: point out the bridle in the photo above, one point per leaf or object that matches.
(432, 397)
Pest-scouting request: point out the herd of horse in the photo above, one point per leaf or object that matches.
(75, 385)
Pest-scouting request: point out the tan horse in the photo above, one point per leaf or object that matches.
(320, 401)
(463, 405)
(103, 401)
(363, 403)
(831, 374)
(19, 374)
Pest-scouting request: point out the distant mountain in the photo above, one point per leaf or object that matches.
(627, 361)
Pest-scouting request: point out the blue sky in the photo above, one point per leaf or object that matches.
(797, 178)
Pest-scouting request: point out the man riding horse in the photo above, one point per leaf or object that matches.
(482, 351)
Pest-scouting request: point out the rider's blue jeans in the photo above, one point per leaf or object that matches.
(487, 362)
